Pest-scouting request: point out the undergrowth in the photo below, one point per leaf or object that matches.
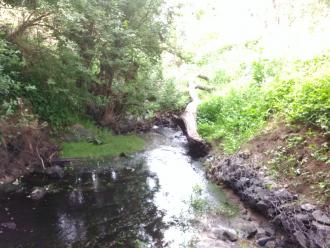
(299, 93)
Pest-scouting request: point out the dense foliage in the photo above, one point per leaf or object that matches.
(233, 118)
(62, 59)
(301, 93)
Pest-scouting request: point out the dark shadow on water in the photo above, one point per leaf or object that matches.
(105, 208)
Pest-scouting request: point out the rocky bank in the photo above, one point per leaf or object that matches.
(304, 224)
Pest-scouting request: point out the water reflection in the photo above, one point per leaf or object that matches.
(71, 229)
(76, 197)
(126, 202)
(97, 208)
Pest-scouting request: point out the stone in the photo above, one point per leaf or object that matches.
(244, 155)
(270, 244)
(37, 193)
(322, 237)
(301, 239)
(243, 182)
(301, 224)
(321, 228)
(263, 241)
(308, 207)
(262, 205)
(248, 230)
(270, 232)
(284, 195)
(224, 233)
(230, 235)
(321, 217)
(55, 172)
(303, 218)
(261, 233)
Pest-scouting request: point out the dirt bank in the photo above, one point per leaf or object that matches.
(24, 147)
(296, 157)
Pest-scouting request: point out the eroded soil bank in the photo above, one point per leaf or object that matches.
(296, 156)
(24, 147)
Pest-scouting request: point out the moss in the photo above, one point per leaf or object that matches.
(104, 145)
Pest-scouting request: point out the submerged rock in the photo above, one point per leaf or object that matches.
(55, 172)
(38, 193)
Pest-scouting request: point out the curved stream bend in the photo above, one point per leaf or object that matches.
(158, 198)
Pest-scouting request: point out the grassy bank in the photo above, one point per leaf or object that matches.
(88, 141)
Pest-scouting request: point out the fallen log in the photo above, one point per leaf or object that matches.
(188, 123)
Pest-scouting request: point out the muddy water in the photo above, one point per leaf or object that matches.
(158, 198)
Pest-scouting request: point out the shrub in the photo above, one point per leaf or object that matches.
(233, 118)
(307, 102)
(302, 96)
(10, 86)
(221, 77)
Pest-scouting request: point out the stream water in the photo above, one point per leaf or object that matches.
(157, 198)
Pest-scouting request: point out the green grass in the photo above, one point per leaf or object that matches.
(300, 95)
(231, 120)
(107, 145)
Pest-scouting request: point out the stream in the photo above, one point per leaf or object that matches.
(156, 198)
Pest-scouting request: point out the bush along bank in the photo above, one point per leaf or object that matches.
(300, 92)
(304, 223)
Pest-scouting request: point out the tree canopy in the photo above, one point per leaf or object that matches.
(97, 57)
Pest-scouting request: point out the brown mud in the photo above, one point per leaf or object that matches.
(23, 149)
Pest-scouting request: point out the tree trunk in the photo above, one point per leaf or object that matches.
(188, 123)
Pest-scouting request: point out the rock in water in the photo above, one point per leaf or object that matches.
(55, 172)
(37, 193)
